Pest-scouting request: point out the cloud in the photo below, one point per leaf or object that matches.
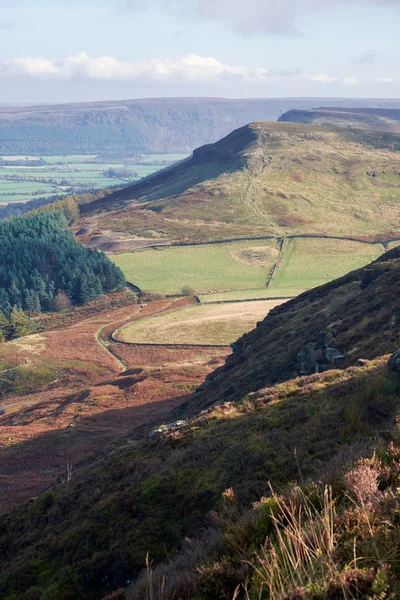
(321, 78)
(252, 16)
(350, 80)
(385, 80)
(368, 57)
(189, 68)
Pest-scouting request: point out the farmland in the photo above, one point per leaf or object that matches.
(214, 267)
(241, 270)
(214, 324)
(32, 177)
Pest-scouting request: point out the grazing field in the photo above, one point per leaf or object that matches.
(240, 270)
(206, 268)
(55, 175)
(219, 324)
(307, 263)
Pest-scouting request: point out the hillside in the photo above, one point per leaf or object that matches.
(163, 125)
(377, 119)
(354, 317)
(265, 179)
(192, 487)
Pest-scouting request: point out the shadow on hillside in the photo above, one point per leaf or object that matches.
(31, 466)
(207, 162)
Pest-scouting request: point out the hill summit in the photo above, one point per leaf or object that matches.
(266, 179)
(379, 119)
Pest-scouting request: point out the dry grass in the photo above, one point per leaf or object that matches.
(201, 324)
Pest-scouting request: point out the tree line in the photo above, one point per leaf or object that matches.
(40, 258)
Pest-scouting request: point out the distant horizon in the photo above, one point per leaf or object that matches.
(206, 98)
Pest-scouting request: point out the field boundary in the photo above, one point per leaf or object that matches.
(247, 300)
(383, 242)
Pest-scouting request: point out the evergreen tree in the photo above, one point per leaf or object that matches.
(39, 255)
(5, 327)
(19, 323)
(32, 301)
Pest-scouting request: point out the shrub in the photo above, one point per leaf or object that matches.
(187, 290)
(61, 302)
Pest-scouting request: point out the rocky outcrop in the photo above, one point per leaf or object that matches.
(394, 362)
(316, 357)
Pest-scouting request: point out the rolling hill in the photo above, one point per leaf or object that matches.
(265, 179)
(195, 487)
(150, 126)
(378, 119)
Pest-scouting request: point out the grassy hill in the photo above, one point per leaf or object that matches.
(266, 179)
(378, 119)
(149, 126)
(196, 488)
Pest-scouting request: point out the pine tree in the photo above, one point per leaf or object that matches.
(5, 327)
(32, 301)
(19, 323)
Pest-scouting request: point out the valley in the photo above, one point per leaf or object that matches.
(196, 361)
(24, 178)
(79, 391)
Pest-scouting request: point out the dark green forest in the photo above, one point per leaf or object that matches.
(39, 257)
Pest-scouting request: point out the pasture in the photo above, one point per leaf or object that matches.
(205, 268)
(241, 270)
(307, 263)
(214, 324)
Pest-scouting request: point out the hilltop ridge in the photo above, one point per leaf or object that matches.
(266, 179)
(377, 119)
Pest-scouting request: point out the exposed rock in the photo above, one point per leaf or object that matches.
(394, 362)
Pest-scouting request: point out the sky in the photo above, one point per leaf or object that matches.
(81, 50)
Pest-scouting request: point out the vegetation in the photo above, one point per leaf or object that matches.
(34, 182)
(205, 267)
(149, 496)
(307, 263)
(205, 324)
(244, 268)
(354, 317)
(39, 256)
(275, 179)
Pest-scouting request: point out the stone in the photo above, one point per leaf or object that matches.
(394, 362)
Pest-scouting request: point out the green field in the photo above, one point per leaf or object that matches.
(240, 270)
(219, 324)
(307, 263)
(205, 268)
(78, 170)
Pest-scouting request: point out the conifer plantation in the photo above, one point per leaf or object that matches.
(40, 259)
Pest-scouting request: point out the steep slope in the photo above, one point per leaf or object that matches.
(90, 536)
(354, 317)
(266, 179)
(378, 119)
(151, 125)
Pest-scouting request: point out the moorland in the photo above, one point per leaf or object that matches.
(227, 425)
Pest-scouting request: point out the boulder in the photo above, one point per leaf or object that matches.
(394, 362)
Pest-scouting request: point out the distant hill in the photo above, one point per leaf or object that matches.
(158, 125)
(266, 179)
(378, 119)
(354, 317)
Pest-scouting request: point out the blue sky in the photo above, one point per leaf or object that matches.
(108, 49)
